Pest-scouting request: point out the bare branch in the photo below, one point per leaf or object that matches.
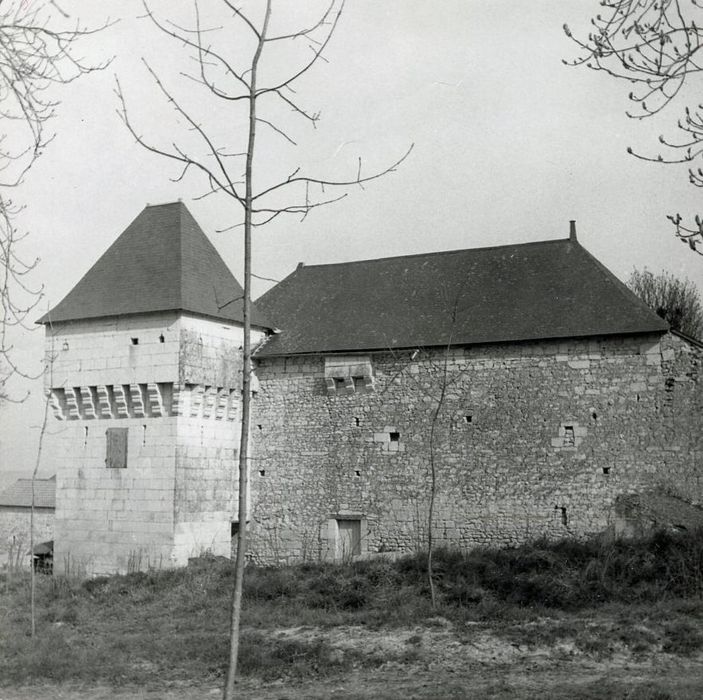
(310, 30)
(277, 130)
(240, 15)
(317, 54)
(202, 52)
(358, 180)
(36, 57)
(656, 46)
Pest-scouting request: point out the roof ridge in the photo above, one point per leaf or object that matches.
(436, 253)
(166, 204)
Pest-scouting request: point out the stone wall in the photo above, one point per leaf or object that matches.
(525, 440)
(172, 382)
(14, 533)
(207, 441)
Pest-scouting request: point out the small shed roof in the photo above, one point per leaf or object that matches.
(19, 494)
(529, 291)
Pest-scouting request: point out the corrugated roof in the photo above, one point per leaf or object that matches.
(19, 494)
(162, 262)
(548, 289)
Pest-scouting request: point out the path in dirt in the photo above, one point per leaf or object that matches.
(443, 664)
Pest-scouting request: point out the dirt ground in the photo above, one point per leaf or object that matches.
(442, 663)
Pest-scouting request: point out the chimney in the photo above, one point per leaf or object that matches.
(572, 230)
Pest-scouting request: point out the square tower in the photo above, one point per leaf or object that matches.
(144, 378)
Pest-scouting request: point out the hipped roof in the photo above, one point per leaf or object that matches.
(162, 262)
(549, 289)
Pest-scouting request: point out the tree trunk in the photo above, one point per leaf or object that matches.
(246, 383)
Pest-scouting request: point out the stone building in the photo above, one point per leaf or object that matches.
(144, 378)
(15, 518)
(523, 385)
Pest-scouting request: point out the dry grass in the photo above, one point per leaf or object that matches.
(143, 627)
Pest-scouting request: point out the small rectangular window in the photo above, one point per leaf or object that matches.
(116, 452)
(569, 436)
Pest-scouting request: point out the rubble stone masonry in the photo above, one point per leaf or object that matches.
(526, 439)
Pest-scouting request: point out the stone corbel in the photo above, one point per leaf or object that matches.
(120, 400)
(55, 403)
(209, 401)
(222, 399)
(72, 403)
(104, 401)
(233, 404)
(135, 391)
(88, 403)
(196, 399)
(178, 400)
(155, 401)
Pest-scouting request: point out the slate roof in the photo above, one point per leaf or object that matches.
(162, 262)
(548, 289)
(19, 494)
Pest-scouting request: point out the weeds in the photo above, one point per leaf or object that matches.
(147, 624)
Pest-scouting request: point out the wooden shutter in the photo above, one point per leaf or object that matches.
(116, 448)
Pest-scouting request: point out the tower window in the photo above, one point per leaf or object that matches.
(116, 448)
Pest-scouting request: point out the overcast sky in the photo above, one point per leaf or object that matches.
(510, 145)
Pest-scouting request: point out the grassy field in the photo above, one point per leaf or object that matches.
(586, 619)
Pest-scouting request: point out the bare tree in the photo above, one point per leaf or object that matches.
(676, 301)
(36, 55)
(655, 46)
(263, 87)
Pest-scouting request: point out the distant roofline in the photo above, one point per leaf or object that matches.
(437, 253)
(481, 343)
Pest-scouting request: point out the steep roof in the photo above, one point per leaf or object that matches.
(548, 289)
(161, 262)
(19, 494)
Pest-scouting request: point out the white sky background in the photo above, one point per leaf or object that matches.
(509, 145)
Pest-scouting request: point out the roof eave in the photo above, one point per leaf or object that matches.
(469, 343)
